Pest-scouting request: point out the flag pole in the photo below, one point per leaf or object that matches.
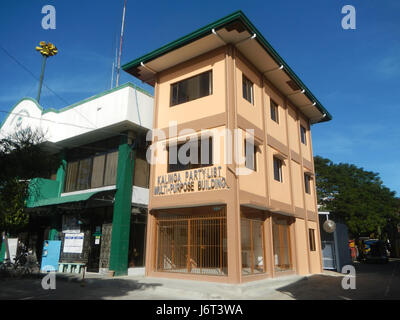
(120, 42)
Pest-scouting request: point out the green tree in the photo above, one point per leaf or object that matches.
(356, 197)
(22, 157)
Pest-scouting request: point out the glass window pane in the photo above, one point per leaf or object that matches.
(246, 245)
(98, 171)
(277, 169)
(192, 88)
(303, 134)
(84, 174)
(250, 155)
(281, 239)
(70, 181)
(141, 175)
(110, 177)
(307, 183)
(274, 111)
(258, 251)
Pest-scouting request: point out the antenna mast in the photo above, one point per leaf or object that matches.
(120, 42)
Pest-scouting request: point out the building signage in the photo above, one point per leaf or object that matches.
(202, 179)
(73, 243)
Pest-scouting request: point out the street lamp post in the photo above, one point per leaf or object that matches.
(47, 50)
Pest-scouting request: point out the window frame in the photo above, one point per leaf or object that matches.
(303, 135)
(311, 238)
(307, 183)
(210, 88)
(74, 183)
(192, 166)
(280, 171)
(246, 81)
(275, 107)
(254, 156)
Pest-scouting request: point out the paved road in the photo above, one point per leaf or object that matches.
(373, 281)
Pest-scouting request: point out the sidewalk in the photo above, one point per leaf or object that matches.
(187, 289)
(98, 286)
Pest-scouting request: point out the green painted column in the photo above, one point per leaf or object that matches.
(2, 251)
(122, 209)
(61, 173)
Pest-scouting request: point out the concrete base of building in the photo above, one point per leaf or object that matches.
(136, 271)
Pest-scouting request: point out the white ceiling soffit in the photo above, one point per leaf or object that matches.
(179, 55)
(256, 54)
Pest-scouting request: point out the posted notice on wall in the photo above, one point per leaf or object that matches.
(73, 242)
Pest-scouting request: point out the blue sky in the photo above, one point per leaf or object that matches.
(354, 73)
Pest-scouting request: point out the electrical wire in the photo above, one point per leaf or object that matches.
(37, 79)
(62, 99)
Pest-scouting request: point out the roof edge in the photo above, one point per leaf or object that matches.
(193, 36)
(48, 110)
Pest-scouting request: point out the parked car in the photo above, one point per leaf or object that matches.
(376, 251)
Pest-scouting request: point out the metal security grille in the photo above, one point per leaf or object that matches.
(282, 248)
(252, 239)
(192, 244)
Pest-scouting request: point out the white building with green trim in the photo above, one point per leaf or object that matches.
(101, 187)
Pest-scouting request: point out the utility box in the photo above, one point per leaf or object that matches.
(50, 255)
(335, 246)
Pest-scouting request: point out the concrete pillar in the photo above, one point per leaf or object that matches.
(122, 208)
(61, 173)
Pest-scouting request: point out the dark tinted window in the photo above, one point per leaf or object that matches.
(278, 169)
(203, 156)
(274, 112)
(303, 134)
(311, 234)
(192, 88)
(248, 90)
(307, 183)
(250, 155)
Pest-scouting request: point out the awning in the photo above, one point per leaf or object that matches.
(60, 200)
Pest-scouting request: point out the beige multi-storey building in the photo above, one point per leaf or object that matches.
(247, 209)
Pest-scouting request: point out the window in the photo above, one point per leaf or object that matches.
(193, 242)
(72, 171)
(303, 135)
(248, 90)
(281, 242)
(142, 170)
(274, 111)
(307, 179)
(93, 172)
(110, 174)
(202, 156)
(98, 170)
(83, 179)
(250, 154)
(192, 88)
(252, 242)
(278, 169)
(311, 234)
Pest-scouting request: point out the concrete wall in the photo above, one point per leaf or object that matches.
(121, 104)
(226, 108)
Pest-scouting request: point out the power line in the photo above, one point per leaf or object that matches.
(62, 99)
(58, 122)
(45, 85)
